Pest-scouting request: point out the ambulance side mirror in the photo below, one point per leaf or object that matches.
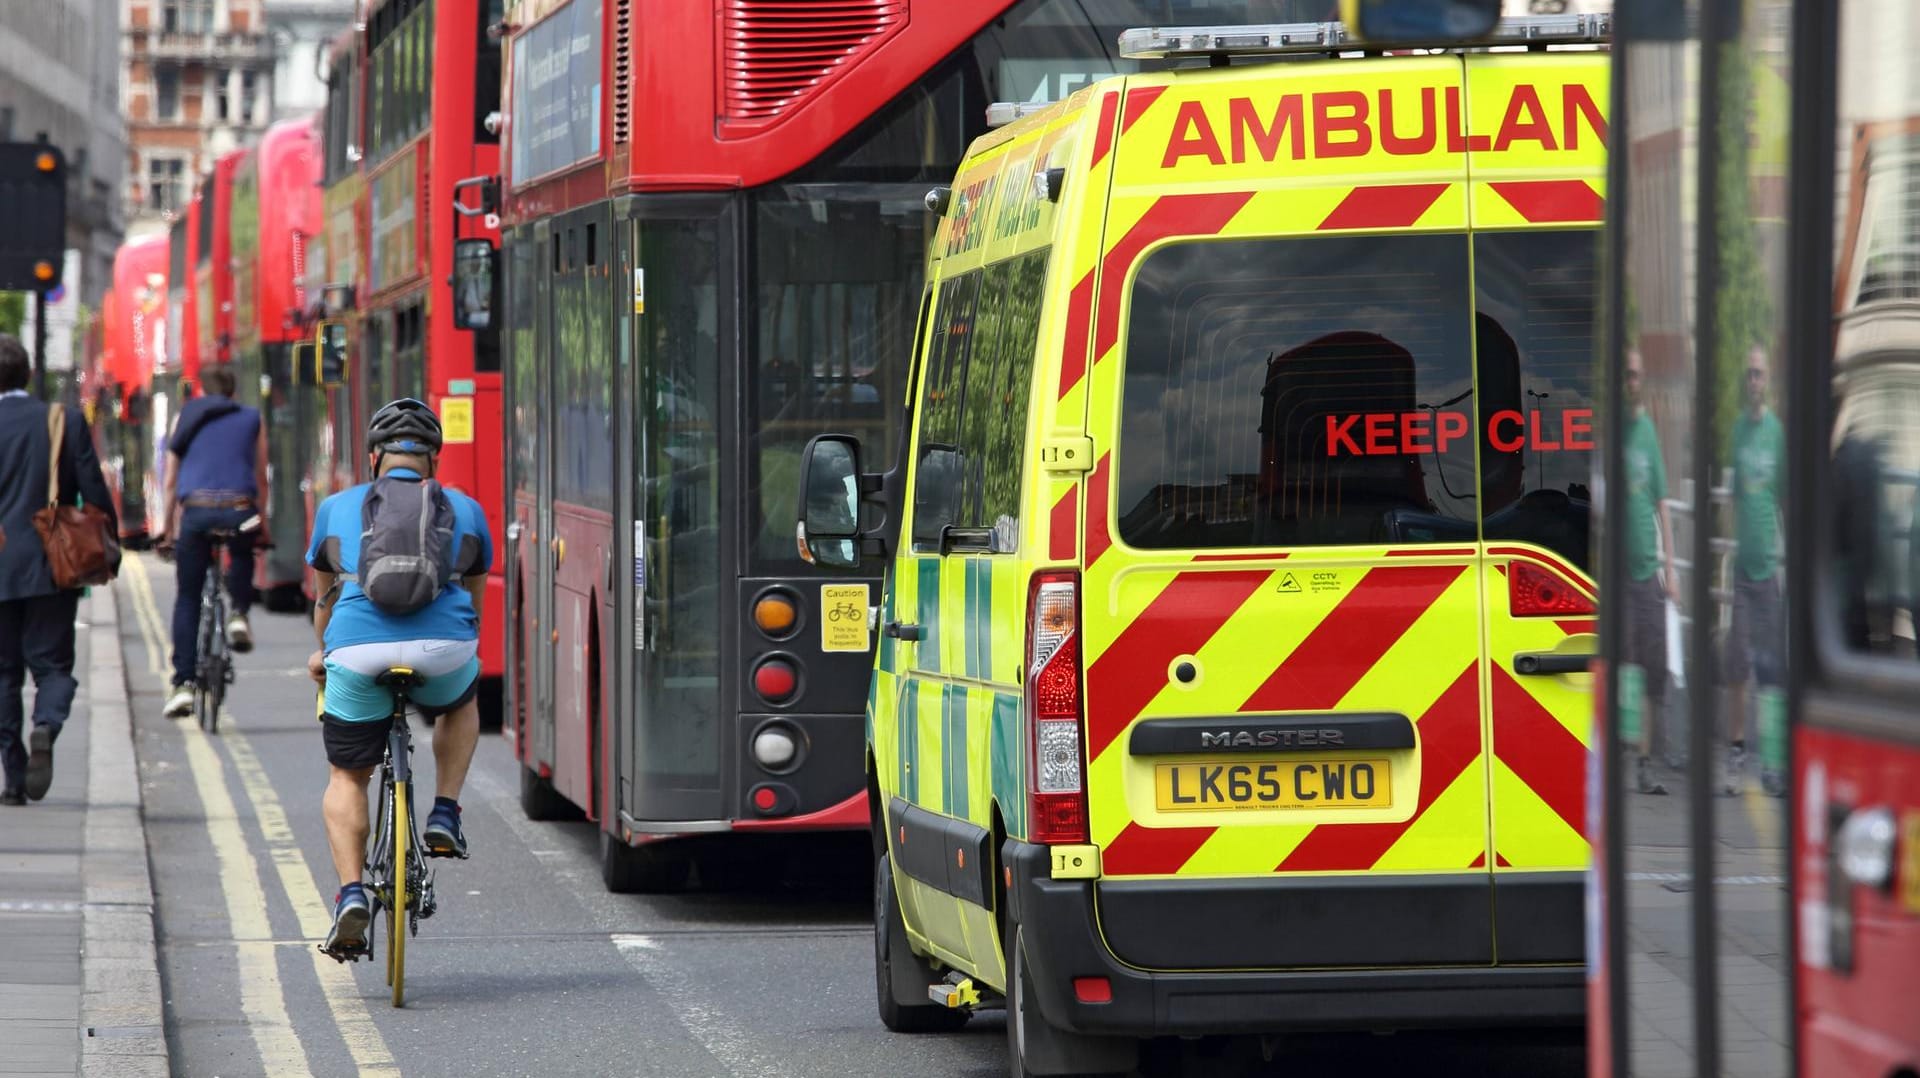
(832, 489)
(1419, 22)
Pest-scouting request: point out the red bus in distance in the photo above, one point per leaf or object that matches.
(274, 222)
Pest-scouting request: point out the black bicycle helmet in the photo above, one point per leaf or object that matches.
(403, 426)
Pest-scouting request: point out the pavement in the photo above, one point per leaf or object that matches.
(79, 983)
(529, 968)
(1754, 960)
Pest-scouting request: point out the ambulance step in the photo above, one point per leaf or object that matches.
(955, 992)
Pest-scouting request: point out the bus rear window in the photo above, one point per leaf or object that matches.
(1298, 392)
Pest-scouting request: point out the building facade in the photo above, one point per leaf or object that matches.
(300, 30)
(198, 81)
(59, 75)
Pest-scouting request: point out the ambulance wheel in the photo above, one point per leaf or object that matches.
(894, 963)
(652, 869)
(540, 801)
(1034, 1047)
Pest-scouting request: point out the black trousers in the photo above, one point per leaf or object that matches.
(35, 635)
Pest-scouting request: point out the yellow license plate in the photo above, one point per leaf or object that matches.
(1258, 784)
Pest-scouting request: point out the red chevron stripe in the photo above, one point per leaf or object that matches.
(1139, 100)
(1103, 134)
(1097, 538)
(1352, 638)
(1383, 206)
(1553, 201)
(1152, 851)
(1063, 538)
(1549, 759)
(1073, 354)
(1449, 742)
(1133, 669)
(1171, 215)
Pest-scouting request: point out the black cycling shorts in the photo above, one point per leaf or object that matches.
(355, 746)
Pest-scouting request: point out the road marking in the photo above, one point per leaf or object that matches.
(712, 1028)
(256, 946)
(350, 1015)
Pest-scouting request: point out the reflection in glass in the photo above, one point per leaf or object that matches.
(1654, 534)
(1287, 392)
(678, 554)
(839, 283)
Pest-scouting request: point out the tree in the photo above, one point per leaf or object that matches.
(13, 312)
(1743, 309)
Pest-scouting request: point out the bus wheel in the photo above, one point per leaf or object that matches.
(1035, 1047)
(540, 801)
(900, 977)
(655, 868)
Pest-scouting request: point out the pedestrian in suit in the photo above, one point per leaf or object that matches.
(36, 618)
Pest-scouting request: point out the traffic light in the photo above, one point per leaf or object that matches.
(33, 216)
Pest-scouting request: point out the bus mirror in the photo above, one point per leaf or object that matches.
(305, 371)
(474, 261)
(830, 502)
(330, 355)
(1419, 22)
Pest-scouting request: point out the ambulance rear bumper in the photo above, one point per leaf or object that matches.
(1063, 942)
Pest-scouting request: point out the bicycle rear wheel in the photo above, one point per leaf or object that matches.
(215, 693)
(397, 908)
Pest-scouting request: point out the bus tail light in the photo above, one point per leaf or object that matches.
(1055, 711)
(1534, 591)
(775, 680)
(774, 613)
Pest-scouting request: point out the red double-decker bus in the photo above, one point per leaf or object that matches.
(1756, 805)
(715, 226)
(213, 261)
(409, 98)
(274, 223)
(136, 346)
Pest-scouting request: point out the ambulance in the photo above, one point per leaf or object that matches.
(1235, 635)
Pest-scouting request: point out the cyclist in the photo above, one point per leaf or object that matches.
(359, 641)
(217, 474)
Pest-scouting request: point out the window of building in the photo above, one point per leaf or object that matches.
(187, 16)
(166, 94)
(249, 91)
(222, 95)
(166, 183)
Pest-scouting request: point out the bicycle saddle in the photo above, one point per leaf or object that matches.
(399, 677)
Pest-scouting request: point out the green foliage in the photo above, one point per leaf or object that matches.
(1744, 308)
(13, 312)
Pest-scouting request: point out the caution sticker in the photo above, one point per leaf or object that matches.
(456, 420)
(843, 617)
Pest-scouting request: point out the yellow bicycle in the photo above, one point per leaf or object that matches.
(397, 878)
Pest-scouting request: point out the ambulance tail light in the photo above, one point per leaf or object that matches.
(1056, 712)
(1534, 591)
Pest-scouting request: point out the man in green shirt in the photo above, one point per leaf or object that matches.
(1753, 644)
(1650, 578)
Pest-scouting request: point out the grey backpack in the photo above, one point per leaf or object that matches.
(406, 544)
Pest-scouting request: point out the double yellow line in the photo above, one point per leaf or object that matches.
(263, 998)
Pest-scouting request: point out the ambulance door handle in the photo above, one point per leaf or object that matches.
(1552, 662)
(900, 631)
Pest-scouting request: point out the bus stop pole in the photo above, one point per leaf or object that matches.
(40, 343)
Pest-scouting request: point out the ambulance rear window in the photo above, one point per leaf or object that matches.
(1299, 391)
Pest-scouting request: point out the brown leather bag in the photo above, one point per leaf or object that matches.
(81, 546)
